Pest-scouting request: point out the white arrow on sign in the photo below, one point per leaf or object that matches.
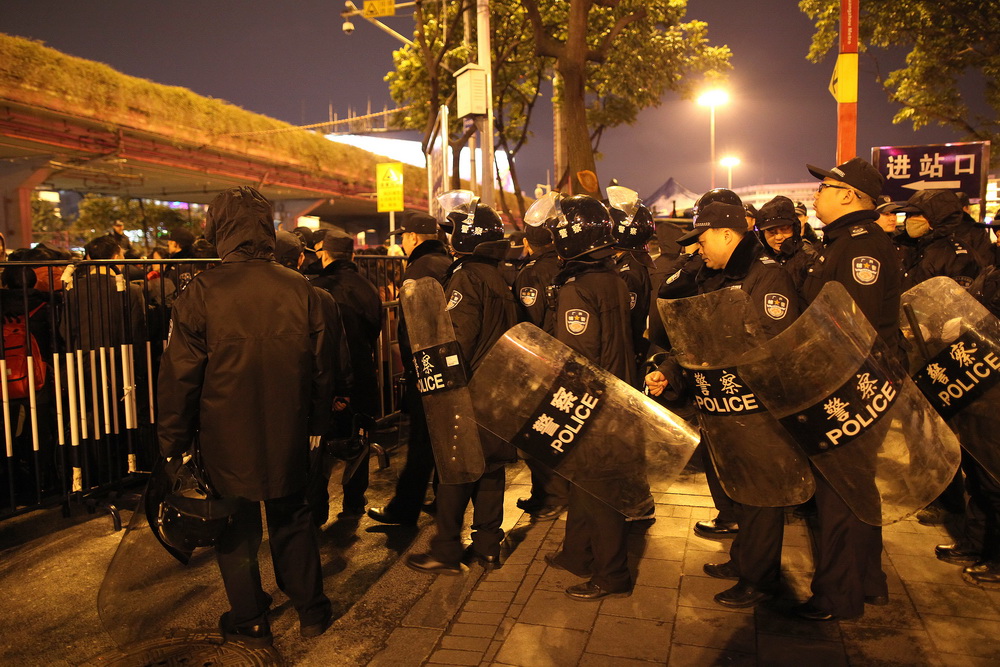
(938, 185)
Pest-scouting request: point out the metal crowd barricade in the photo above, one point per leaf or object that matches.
(82, 425)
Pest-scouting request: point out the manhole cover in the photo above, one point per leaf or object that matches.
(191, 649)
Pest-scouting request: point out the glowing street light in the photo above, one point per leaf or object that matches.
(729, 162)
(711, 99)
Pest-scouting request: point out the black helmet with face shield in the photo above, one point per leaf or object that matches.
(580, 224)
(470, 222)
(633, 223)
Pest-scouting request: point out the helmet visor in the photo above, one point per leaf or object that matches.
(543, 209)
(625, 200)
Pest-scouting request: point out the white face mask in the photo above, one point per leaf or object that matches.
(917, 226)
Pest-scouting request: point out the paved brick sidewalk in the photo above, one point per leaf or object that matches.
(518, 615)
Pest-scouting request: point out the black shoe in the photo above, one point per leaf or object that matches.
(470, 556)
(547, 513)
(716, 530)
(553, 561)
(530, 504)
(430, 508)
(741, 596)
(316, 629)
(721, 570)
(428, 565)
(877, 600)
(381, 515)
(810, 613)
(956, 554)
(252, 636)
(932, 515)
(588, 591)
(984, 572)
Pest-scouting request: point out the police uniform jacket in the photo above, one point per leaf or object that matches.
(858, 254)
(635, 273)
(796, 255)
(480, 302)
(943, 252)
(593, 316)
(245, 371)
(362, 317)
(531, 289)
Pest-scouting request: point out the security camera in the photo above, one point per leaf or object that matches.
(348, 27)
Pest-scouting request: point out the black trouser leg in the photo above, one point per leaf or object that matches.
(411, 488)
(295, 555)
(984, 501)
(487, 515)
(236, 554)
(452, 499)
(848, 558)
(596, 541)
(756, 549)
(723, 503)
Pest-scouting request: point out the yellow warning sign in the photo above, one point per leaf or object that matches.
(844, 82)
(375, 8)
(389, 186)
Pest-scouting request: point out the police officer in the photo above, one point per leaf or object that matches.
(936, 220)
(592, 317)
(690, 277)
(482, 308)
(779, 231)
(427, 256)
(362, 316)
(549, 492)
(727, 246)
(860, 256)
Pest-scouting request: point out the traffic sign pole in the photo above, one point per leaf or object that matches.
(845, 83)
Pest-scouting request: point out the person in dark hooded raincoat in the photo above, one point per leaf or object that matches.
(245, 379)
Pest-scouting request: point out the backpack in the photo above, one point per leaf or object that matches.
(15, 332)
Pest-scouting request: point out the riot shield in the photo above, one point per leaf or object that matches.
(845, 399)
(757, 461)
(152, 591)
(442, 383)
(955, 361)
(579, 420)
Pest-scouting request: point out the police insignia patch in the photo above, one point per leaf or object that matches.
(576, 321)
(775, 305)
(865, 270)
(631, 300)
(529, 295)
(456, 297)
(674, 277)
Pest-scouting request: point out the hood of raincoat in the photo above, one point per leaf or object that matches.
(240, 224)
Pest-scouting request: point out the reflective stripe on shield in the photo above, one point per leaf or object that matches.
(441, 381)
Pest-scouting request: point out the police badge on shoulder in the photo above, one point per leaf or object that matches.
(775, 305)
(865, 270)
(576, 321)
(529, 295)
(456, 297)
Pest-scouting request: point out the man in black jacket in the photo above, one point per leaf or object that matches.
(244, 379)
(362, 316)
(482, 309)
(936, 220)
(727, 246)
(592, 317)
(549, 492)
(427, 257)
(780, 235)
(860, 256)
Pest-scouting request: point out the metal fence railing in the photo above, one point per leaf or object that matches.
(79, 355)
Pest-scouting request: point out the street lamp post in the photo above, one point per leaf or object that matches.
(729, 162)
(712, 99)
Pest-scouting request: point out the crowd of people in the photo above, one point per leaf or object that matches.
(271, 359)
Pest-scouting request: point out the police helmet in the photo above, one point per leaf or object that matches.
(633, 223)
(471, 222)
(579, 224)
(191, 515)
(717, 194)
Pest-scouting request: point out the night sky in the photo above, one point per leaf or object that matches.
(292, 60)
